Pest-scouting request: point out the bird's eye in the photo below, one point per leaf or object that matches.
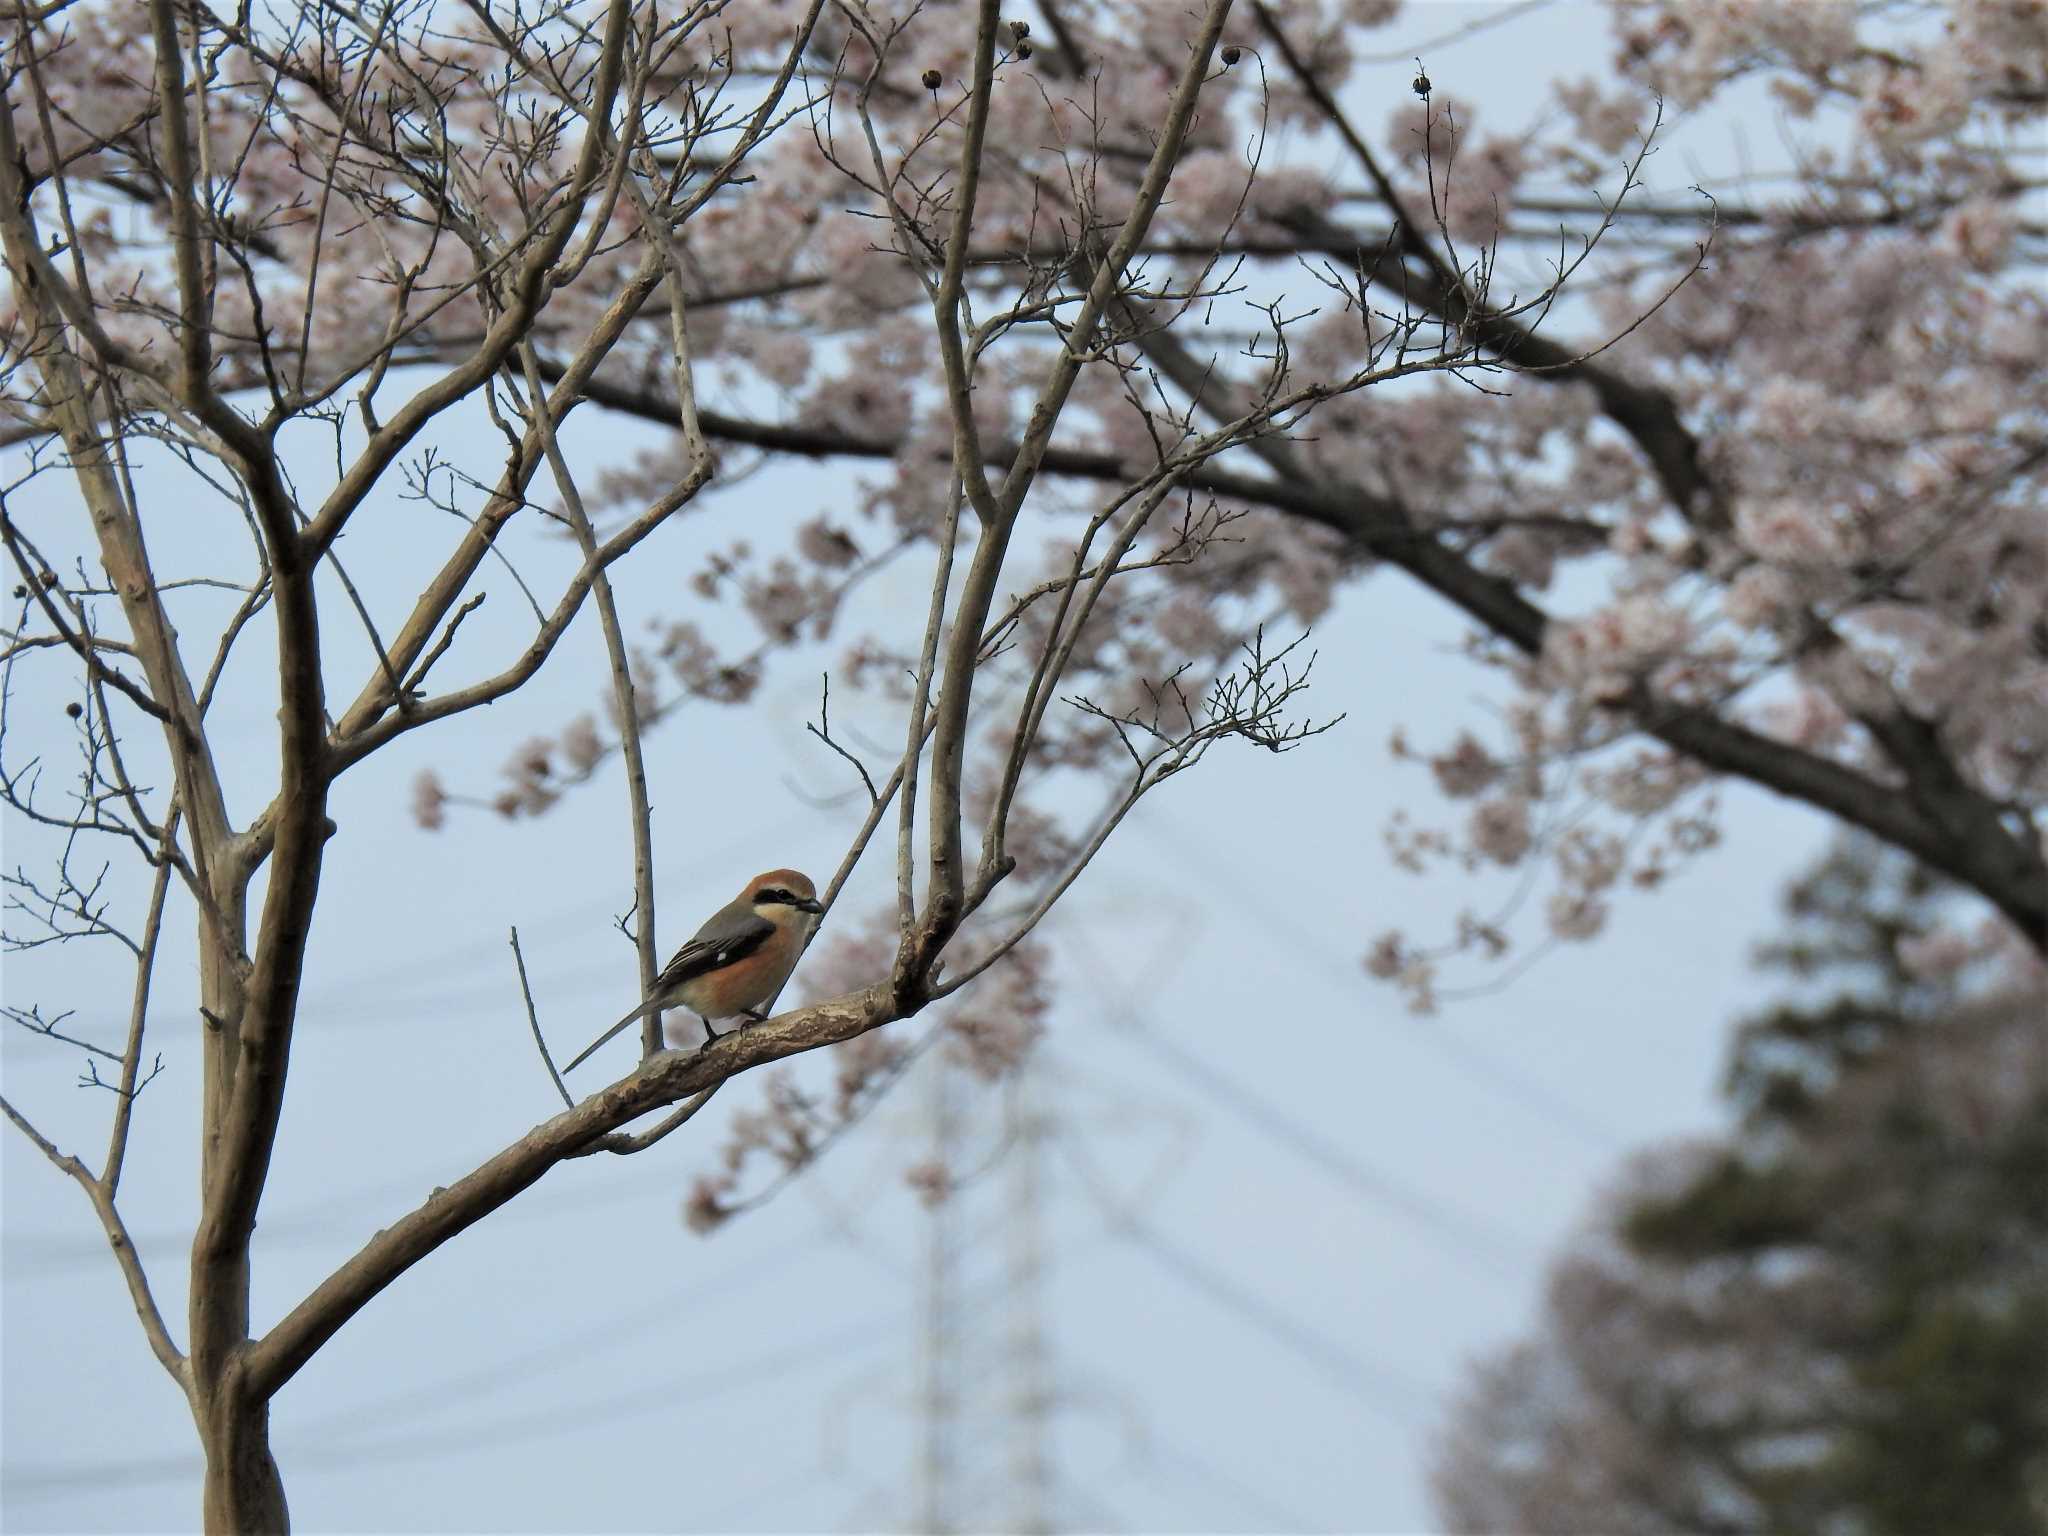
(773, 893)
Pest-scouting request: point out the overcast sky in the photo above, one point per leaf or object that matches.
(1270, 1217)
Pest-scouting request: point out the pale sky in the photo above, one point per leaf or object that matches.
(1274, 1214)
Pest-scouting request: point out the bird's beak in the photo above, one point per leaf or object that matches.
(813, 907)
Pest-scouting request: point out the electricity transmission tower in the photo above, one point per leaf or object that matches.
(984, 1395)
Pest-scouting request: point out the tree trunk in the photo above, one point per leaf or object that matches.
(244, 1495)
(243, 1492)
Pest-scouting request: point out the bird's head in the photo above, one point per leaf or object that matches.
(781, 894)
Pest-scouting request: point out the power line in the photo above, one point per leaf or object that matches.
(1384, 1389)
(862, 1334)
(867, 1332)
(1475, 1243)
(773, 1489)
(343, 1003)
(1502, 1079)
(308, 1226)
(1465, 1237)
(1204, 1469)
(1455, 35)
(1097, 1516)
(536, 1423)
(607, 1333)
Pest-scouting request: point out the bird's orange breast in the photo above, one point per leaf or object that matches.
(744, 984)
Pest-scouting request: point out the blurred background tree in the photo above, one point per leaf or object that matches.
(1833, 1318)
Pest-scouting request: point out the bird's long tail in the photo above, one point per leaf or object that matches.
(632, 1018)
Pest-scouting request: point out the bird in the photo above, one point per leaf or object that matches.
(738, 960)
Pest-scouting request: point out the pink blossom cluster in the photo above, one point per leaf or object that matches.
(1867, 534)
(1834, 514)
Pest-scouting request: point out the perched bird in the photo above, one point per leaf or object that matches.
(738, 960)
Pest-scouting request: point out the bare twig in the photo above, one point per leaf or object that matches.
(32, 1020)
(440, 649)
(626, 708)
(823, 731)
(533, 1019)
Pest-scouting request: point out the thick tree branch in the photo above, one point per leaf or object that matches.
(949, 298)
(1990, 859)
(947, 898)
(1647, 414)
(662, 1079)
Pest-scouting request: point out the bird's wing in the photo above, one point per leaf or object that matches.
(731, 933)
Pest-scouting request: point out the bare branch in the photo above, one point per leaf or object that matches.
(947, 899)
(533, 1019)
(102, 1198)
(626, 708)
(661, 1079)
(31, 1019)
(823, 731)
